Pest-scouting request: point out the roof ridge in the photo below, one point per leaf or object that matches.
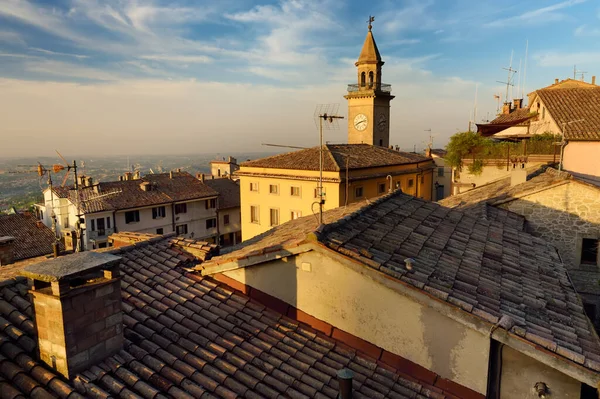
(335, 162)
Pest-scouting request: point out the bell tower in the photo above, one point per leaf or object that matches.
(369, 99)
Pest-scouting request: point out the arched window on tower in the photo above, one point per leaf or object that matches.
(362, 79)
(371, 79)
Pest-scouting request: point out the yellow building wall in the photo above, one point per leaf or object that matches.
(335, 192)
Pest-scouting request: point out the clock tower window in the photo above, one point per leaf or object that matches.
(371, 79)
(362, 79)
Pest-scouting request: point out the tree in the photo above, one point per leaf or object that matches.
(461, 146)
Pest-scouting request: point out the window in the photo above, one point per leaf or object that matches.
(219, 172)
(254, 186)
(158, 212)
(358, 192)
(181, 229)
(274, 217)
(295, 191)
(100, 226)
(93, 227)
(102, 245)
(381, 188)
(211, 223)
(254, 214)
(225, 220)
(295, 215)
(440, 172)
(273, 189)
(160, 231)
(370, 78)
(363, 79)
(211, 203)
(180, 208)
(132, 217)
(108, 223)
(589, 251)
(411, 183)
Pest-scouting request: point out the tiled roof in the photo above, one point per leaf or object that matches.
(229, 192)
(334, 158)
(501, 190)
(483, 266)
(188, 336)
(566, 105)
(504, 121)
(31, 238)
(129, 194)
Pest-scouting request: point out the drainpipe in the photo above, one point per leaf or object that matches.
(494, 370)
(344, 377)
(173, 215)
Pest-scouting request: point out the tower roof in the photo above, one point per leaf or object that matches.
(369, 52)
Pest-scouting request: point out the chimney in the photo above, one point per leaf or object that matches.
(89, 181)
(128, 176)
(506, 108)
(178, 170)
(146, 186)
(518, 175)
(170, 174)
(121, 178)
(556, 81)
(77, 310)
(428, 152)
(6, 250)
(593, 80)
(202, 177)
(518, 103)
(344, 377)
(81, 180)
(136, 175)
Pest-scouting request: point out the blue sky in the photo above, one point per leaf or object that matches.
(184, 76)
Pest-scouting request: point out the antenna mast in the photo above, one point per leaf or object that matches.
(525, 69)
(510, 81)
(328, 118)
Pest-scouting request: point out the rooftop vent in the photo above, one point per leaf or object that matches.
(77, 306)
(146, 186)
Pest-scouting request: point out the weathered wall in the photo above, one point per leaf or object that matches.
(564, 215)
(489, 174)
(520, 373)
(581, 158)
(345, 298)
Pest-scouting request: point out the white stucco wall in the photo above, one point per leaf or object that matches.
(353, 302)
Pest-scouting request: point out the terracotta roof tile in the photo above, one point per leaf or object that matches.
(334, 158)
(191, 347)
(32, 239)
(571, 104)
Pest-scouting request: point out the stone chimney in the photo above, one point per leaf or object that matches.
(146, 186)
(89, 181)
(127, 176)
(518, 175)
(6, 250)
(518, 103)
(77, 310)
(506, 109)
(202, 177)
(556, 81)
(593, 80)
(136, 175)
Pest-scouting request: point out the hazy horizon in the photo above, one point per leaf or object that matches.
(173, 77)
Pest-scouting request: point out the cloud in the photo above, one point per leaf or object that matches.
(584, 30)
(12, 38)
(194, 59)
(563, 59)
(16, 55)
(538, 16)
(64, 69)
(41, 50)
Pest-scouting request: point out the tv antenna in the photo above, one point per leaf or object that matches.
(327, 116)
(577, 71)
(510, 79)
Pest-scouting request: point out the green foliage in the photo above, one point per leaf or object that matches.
(476, 168)
(461, 146)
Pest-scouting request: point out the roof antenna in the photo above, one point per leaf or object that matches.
(328, 119)
(510, 80)
(523, 91)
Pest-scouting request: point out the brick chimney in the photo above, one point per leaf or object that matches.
(506, 108)
(77, 310)
(593, 80)
(518, 103)
(6, 250)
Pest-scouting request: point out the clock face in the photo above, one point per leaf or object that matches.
(381, 122)
(360, 122)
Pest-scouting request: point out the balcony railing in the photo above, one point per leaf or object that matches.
(384, 87)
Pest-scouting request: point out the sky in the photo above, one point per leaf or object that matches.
(110, 77)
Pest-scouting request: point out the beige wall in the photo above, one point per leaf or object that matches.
(490, 173)
(582, 158)
(343, 297)
(335, 192)
(373, 107)
(520, 373)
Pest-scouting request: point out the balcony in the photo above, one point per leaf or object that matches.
(383, 87)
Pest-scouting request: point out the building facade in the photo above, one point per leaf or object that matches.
(156, 203)
(229, 218)
(224, 167)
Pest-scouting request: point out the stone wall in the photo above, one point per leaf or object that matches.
(80, 328)
(564, 215)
